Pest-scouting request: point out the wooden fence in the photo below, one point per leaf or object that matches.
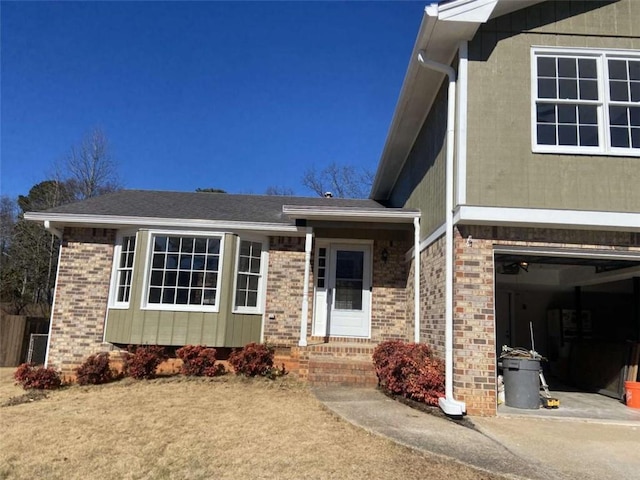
(15, 331)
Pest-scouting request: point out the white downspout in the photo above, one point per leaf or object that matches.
(304, 317)
(416, 279)
(448, 404)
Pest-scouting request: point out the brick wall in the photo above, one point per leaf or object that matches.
(285, 282)
(389, 315)
(432, 296)
(81, 296)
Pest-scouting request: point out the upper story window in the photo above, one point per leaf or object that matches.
(248, 289)
(124, 257)
(184, 272)
(586, 101)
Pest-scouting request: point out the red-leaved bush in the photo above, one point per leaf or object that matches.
(142, 361)
(410, 370)
(253, 360)
(198, 360)
(32, 377)
(95, 370)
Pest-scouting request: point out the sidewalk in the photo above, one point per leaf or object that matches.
(530, 448)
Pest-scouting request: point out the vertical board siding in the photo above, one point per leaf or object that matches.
(501, 168)
(166, 327)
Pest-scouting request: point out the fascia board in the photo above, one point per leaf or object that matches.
(390, 215)
(476, 11)
(111, 221)
(547, 218)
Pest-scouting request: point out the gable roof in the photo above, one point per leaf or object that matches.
(206, 210)
(443, 27)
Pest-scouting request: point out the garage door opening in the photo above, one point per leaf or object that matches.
(585, 313)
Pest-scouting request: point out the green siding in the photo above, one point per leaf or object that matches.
(166, 327)
(501, 168)
(421, 183)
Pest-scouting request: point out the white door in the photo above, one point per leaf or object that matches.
(348, 293)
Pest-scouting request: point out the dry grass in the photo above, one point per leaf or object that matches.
(196, 429)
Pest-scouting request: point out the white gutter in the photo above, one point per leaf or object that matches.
(387, 215)
(114, 221)
(416, 280)
(448, 404)
(461, 124)
(304, 317)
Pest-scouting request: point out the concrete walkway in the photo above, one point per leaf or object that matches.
(531, 448)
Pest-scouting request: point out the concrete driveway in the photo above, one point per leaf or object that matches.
(513, 446)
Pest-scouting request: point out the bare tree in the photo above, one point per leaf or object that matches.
(279, 191)
(343, 181)
(89, 169)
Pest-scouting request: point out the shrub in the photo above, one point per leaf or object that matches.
(410, 370)
(198, 360)
(142, 361)
(253, 360)
(32, 377)
(95, 370)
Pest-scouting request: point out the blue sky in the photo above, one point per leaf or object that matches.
(233, 95)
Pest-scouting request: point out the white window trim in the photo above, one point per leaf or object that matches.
(113, 284)
(600, 55)
(144, 305)
(264, 262)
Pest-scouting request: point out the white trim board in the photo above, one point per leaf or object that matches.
(547, 218)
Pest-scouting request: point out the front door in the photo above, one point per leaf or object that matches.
(348, 291)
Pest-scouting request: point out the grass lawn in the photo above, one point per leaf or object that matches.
(178, 428)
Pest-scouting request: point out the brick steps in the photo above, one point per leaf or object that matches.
(341, 363)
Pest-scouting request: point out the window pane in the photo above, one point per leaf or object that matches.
(154, 295)
(321, 262)
(546, 135)
(158, 260)
(171, 278)
(174, 244)
(634, 116)
(201, 245)
(618, 116)
(187, 245)
(184, 278)
(197, 279)
(588, 114)
(546, 67)
(547, 88)
(321, 283)
(243, 264)
(214, 246)
(635, 91)
(241, 298)
(322, 252)
(634, 70)
(635, 137)
(618, 69)
(567, 67)
(182, 297)
(156, 278)
(212, 263)
(255, 265)
(252, 299)
(172, 261)
(619, 137)
(618, 91)
(198, 262)
(545, 114)
(257, 249)
(567, 135)
(242, 282)
(589, 136)
(195, 297)
(169, 295)
(209, 297)
(566, 114)
(588, 90)
(587, 68)
(160, 244)
(211, 280)
(568, 89)
(253, 283)
(245, 248)
(185, 262)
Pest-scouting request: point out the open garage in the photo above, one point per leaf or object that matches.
(584, 311)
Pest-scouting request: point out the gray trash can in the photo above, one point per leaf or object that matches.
(521, 382)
